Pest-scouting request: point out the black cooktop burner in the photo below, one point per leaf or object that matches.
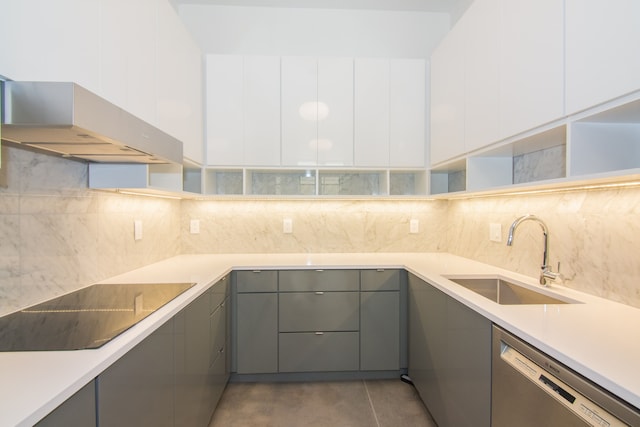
(86, 318)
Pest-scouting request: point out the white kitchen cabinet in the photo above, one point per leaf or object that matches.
(602, 42)
(448, 96)
(224, 100)
(371, 103)
(482, 74)
(137, 55)
(407, 112)
(531, 64)
(243, 110)
(128, 56)
(178, 82)
(317, 111)
(335, 129)
(300, 111)
(261, 118)
(51, 41)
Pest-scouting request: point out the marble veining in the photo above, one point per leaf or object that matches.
(318, 226)
(57, 235)
(593, 235)
(540, 165)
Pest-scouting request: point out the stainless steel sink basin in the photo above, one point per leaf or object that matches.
(504, 292)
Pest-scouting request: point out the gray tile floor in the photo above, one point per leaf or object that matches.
(379, 403)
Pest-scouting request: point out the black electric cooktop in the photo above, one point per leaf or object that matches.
(84, 319)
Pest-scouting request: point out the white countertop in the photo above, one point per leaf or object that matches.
(597, 338)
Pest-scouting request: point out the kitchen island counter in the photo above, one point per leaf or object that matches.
(595, 337)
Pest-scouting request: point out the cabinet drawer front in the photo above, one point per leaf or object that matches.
(219, 292)
(257, 281)
(380, 280)
(319, 280)
(310, 312)
(309, 352)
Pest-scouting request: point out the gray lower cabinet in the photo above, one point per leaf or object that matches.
(138, 389)
(382, 328)
(200, 356)
(176, 375)
(449, 357)
(79, 410)
(297, 321)
(380, 331)
(319, 320)
(256, 322)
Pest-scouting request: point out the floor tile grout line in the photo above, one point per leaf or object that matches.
(373, 409)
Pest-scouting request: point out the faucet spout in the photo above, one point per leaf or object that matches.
(545, 272)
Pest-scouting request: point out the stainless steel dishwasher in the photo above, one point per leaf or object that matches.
(531, 389)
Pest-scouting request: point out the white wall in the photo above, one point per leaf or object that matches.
(319, 32)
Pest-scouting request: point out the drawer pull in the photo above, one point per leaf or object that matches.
(380, 270)
(319, 270)
(319, 333)
(319, 293)
(257, 271)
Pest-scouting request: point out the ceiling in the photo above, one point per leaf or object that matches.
(446, 6)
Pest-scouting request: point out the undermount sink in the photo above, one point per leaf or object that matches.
(505, 292)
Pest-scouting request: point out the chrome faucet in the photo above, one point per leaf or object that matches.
(545, 270)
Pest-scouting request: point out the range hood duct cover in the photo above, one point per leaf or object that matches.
(67, 119)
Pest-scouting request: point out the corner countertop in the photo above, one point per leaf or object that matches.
(597, 338)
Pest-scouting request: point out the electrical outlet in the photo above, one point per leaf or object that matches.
(495, 232)
(137, 229)
(287, 226)
(414, 226)
(194, 226)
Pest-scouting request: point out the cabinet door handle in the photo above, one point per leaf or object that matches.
(319, 293)
(319, 333)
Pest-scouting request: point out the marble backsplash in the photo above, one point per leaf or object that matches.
(256, 226)
(57, 236)
(593, 234)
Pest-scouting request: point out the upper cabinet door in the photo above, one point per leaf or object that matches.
(532, 64)
(261, 99)
(482, 74)
(335, 112)
(51, 41)
(371, 112)
(407, 112)
(602, 45)
(447, 96)
(224, 96)
(178, 82)
(300, 111)
(128, 56)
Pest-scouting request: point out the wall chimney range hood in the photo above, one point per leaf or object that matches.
(67, 119)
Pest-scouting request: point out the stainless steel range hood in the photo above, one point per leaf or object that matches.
(70, 120)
